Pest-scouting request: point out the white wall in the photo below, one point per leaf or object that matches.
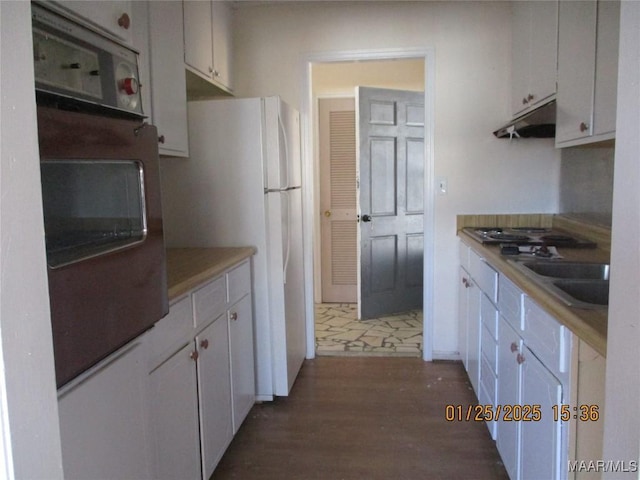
(622, 423)
(341, 78)
(28, 402)
(472, 48)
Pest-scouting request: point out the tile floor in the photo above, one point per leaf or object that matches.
(339, 332)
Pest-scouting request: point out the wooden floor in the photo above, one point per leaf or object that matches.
(365, 418)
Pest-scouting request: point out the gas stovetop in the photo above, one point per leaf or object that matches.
(528, 236)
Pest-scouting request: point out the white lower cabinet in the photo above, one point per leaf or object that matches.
(463, 315)
(531, 442)
(242, 360)
(473, 335)
(103, 428)
(203, 385)
(174, 413)
(191, 405)
(508, 432)
(540, 438)
(473, 282)
(519, 361)
(487, 392)
(167, 405)
(214, 393)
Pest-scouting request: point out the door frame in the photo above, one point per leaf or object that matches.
(310, 175)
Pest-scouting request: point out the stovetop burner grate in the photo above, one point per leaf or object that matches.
(528, 236)
(509, 237)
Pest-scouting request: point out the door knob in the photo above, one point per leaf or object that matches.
(124, 21)
(366, 218)
(327, 213)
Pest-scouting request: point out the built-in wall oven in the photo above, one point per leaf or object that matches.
(100, 191)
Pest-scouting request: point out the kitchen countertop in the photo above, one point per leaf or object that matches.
(588, 324)
(189, 267)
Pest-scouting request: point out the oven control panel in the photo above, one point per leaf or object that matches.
(76, 64)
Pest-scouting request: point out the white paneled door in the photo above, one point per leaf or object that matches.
(337, 142)
(390, 166)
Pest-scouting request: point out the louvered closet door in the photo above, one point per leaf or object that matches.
(338, 199)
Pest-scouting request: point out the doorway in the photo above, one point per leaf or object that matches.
(333, 83)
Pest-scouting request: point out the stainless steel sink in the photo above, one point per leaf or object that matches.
(578, 284)
(588, 291)
(598, 271)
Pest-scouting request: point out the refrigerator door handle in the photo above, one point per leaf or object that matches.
(286, 145)
(280, 190)
(285, 267)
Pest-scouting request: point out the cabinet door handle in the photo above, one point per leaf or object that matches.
(161, 139)
(124, 21)
(524, 100)
(514, 347)
(584, 127)
(194, 355)
(530, 97)
(233, 315)
(204, 343)
(520, 359)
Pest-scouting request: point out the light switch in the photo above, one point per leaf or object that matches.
(441, 185)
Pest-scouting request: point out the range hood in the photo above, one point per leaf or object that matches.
(538, 123)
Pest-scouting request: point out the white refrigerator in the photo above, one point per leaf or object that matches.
(242, 186)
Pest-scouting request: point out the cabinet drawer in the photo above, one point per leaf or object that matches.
(546, 338)
(485, 276)
(510, 302)
(239, 282)
(489, 349)
(209, 302)
(488, 381)
(169, 333)
(487, 393)
(489, 316)
(463, 250)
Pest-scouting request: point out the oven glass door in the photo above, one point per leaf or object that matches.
(91, 207)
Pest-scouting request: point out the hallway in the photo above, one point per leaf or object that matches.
(339, 332)
(374, 418)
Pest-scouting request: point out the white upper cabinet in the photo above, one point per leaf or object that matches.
(198, 36)
(534, 53)
(168, 84)
(114, 17)
(606, 87)
(207, 41)
(587, 71)
(576, 69)
(221, 24)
